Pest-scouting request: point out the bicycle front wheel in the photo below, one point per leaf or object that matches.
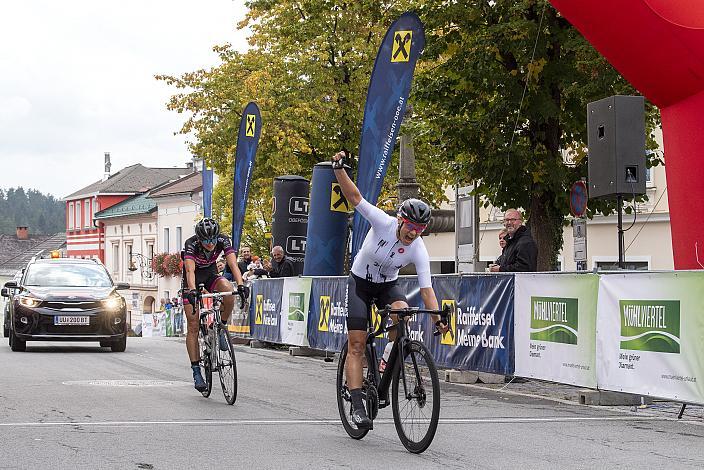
(227, 367)
(344, 401)
(416, 397)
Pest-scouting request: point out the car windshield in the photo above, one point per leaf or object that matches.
(67, 275)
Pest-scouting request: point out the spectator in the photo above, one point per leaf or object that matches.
(521, 252)
(280, 265)
(220, 266)
(162, 305)
(167, 305)
(245, 258)
(255, 269)
(502, 244)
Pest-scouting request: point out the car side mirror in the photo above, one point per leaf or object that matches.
(4, 292)
(122, 286)
(11, 284)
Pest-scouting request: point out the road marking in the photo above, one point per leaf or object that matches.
(128, 383)
(298, 422)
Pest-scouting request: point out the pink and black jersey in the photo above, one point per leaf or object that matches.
(206, 259)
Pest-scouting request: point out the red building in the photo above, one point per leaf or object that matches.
(86, 239)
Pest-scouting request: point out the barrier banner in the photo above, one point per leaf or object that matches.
(389, 87)
(555, 327)
(264, 321)
(649, 334)
(294, 311)
(247, 143)
(481, 325)
(327, 319)
(239, 320)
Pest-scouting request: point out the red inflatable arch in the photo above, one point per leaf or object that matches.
(658, 46)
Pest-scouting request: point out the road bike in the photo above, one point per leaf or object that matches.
(413, 379)
(214, 355)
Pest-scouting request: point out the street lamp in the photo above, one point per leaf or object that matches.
(142, 263)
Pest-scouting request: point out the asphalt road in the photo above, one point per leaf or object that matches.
(72, 405)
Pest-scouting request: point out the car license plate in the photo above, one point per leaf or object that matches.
(71, 320)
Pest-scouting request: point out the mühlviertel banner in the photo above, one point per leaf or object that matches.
(555, 327)
(247, 142)
(266, 305)
(650, 331)
(388, 91)
(294, 310)
(481, 326)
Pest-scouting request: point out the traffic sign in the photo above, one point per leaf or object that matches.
(578, 199)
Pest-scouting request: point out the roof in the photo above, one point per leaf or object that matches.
(15, 254)
(132, 179)
(189, 184)
(134, 205)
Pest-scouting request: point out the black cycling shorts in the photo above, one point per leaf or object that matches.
(362, 293)
(208, 277)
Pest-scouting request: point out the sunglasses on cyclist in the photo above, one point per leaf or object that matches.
(414, 226)
(210, 241)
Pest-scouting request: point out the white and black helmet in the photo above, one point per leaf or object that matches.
(207, 229)
(415, 211)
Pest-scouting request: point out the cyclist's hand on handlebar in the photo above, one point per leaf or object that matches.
(192, 295)
(243, 292)
(441, 324)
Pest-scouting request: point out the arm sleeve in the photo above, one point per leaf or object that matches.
(226, 245)
(422, 264)
(375, 216)
(189, 251)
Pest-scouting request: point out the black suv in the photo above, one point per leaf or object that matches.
(66, 299)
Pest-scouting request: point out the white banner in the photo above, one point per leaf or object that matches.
(147, 325)
(555, 327)
(294, 311)
(650, 334)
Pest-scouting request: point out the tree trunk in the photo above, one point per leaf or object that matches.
(546, 230)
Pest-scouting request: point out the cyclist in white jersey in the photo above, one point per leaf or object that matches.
(390, 244)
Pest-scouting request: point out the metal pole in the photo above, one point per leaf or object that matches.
(621, 250)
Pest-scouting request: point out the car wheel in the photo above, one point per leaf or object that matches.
(5, 331)
(17, 344)
(119, 345)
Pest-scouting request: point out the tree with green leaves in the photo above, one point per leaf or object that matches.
(503, 98)
(43, 214)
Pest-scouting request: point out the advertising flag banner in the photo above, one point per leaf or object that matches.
(555, 327)
(480, 337)
(247, 142)
(388, 91)
(264, 320)
(207, 192)
(650, 331)
(294, 311)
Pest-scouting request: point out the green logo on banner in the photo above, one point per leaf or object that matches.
(554, 319)
(650, 325)
(296, 302)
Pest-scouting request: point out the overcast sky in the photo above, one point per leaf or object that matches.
(77, 80)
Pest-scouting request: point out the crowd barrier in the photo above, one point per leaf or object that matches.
(635, 332)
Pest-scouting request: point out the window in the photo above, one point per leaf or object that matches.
(78, 215)
(70, 216)
(88, 217)
(629, 265)
(150, 249)
(179, 238)
(115, 258)
(165, 243)
(128, 252)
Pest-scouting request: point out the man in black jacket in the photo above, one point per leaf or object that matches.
(521, 252)
(280, 265)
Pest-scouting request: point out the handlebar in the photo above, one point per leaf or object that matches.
(409, 312)
(200, 295)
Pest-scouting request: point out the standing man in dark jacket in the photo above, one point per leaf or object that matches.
(280, 265)
(521, 252)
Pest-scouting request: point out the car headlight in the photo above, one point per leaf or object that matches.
(29, 301)
(113, 302)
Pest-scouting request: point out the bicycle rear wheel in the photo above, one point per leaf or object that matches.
(416, 400)
(227, 367)
(344, 401)
(206, 360)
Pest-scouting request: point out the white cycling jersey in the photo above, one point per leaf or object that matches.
(382, 253)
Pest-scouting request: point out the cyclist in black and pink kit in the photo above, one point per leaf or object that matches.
(200, 256)
(392, 243)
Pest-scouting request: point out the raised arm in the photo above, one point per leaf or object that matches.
(349, 189)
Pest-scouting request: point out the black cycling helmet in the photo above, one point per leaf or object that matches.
(415, 211)
(207, 229)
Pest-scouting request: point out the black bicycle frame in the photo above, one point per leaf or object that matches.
(383, 381)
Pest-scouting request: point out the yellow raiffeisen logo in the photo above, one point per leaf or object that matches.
(259, 310)
(251, 125)
(338, 201)
(450, 338)
(401, 49)
(324, 313)
(376, 321)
